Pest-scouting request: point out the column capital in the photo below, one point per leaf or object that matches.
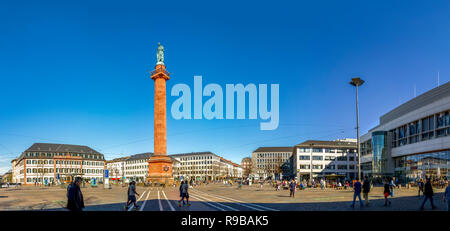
(160, 72)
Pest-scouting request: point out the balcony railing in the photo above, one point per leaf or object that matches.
(159, 71)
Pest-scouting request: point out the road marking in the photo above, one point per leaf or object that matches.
(239, 203)
(143, 204)
(242, 202)
(226, 206)
(171, 207)
(132, 206)
(159, 201)
(208, 203)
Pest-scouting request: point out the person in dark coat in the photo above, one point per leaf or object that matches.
(366, 190)
(292, 188)
(428, 193)
(420, 185)
(75, 200)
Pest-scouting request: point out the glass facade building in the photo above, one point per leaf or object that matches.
(411, 141)
(434, 165)
(380, 155)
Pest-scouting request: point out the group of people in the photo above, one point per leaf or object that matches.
(75, 201)
(388, 191)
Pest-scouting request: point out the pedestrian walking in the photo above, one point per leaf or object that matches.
(420, 185)
(131, 195)
(75, 200)
(447, 197)
(428, 193)
(292, 189)
(366, 190)
(387, 192)
(392, 186)
(184, 194)
(357, 193)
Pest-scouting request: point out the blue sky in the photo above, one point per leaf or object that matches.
(74, 72)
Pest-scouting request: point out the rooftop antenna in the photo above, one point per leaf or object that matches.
(414, 90)
(438, 78)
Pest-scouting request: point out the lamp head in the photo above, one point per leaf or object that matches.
(357, 82)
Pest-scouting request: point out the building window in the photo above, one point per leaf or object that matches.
(330, 157)
(317, 157)
(319, 166)
(303, 157)
(341, 158)
(330, 166)
(304, 166)
(342, 166)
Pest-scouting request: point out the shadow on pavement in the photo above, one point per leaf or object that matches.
(410, 203)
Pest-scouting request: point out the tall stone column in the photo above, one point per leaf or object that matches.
(160, 165)
(160, 127)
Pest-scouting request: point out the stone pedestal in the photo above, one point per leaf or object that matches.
(160, 170)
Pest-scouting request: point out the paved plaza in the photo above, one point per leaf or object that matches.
(212, 197)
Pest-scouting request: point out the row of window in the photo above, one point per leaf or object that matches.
(430, 127)
(135, 172)
(195, 158)
(271, 160)
(136, 161)
(274, 154)
(326, 150)
(67, 162)
(337, 158)
(50, 154)
(51, 179)
(63, 170)
(235, 173)
(197, 162)
(197, 167)
(136, 167)
(330, 166)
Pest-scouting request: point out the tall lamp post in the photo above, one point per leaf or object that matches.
(311, 163)
(357, 82)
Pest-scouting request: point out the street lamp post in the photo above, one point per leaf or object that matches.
(311, 163)
(357, 82)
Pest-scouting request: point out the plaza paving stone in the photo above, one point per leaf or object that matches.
(213, 197)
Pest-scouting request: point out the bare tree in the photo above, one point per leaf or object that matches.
(215, 170)
(248, 169)
(40, 170)
(278, 165)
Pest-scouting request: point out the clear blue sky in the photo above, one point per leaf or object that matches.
(74, 72)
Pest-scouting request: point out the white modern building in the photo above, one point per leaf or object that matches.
(271, 162)
(116, 169)
(326, 159)
(185, 166)
(134, 167)
(44, 163)
(205, 166)
(412, 141)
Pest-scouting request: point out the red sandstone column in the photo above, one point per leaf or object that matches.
(160, 165)
(160, 130)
